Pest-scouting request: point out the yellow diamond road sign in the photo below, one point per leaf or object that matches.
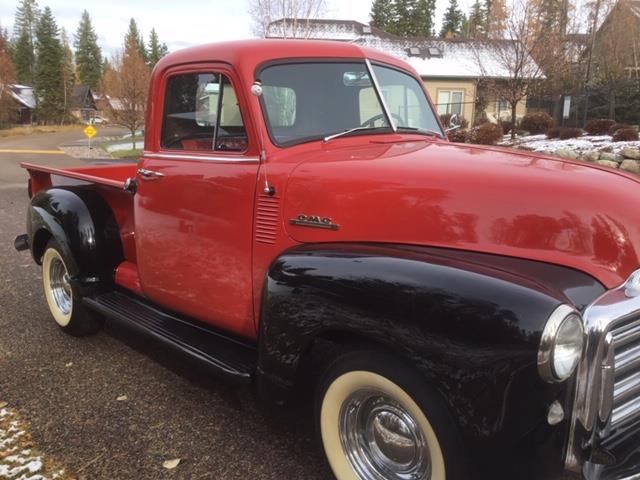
(90, 132)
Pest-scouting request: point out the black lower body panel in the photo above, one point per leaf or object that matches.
(228, 356)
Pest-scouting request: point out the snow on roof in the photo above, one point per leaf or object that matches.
(23, 95)
(455, 59)
(320, 29)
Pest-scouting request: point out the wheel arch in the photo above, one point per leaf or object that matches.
(83, 225)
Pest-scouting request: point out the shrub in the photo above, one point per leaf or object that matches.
(553, 132)
(486, 134)
(459, 135)
(617, 126)
(565, 133)
(480, 121)
(537, 122)
(446, 117)
(599, 126)
(625, 135)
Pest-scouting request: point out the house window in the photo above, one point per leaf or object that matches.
(502, 105)
(450, 102)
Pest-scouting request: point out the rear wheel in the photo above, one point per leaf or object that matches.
(378, 420)
(62, 298)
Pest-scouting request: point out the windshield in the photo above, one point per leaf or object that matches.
(311, 101)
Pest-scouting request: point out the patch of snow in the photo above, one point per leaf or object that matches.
(540, 143)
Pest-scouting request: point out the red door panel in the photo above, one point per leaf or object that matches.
(193, 237)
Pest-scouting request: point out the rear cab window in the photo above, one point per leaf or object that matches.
(201, 113)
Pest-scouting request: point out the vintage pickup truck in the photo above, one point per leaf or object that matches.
(298, 217)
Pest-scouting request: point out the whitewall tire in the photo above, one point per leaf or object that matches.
(63, 300)
(377, 421)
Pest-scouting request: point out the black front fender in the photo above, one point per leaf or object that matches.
(471, 323)
(84, 227)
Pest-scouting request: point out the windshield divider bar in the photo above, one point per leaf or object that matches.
(376, 85)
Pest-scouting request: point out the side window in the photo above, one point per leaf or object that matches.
(201, 113)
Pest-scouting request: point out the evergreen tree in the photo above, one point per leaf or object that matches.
(453, 20)
(494, 18)
(88, 54)
(24, 31)
(133, 41)
(49, 80)
(406, 18)
(157, 50)
(382, 14)
(68, 72)
(424, 13)
(476, 21)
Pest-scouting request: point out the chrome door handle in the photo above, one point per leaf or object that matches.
(149, 174)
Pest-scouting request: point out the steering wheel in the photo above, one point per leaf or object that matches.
(370, 122)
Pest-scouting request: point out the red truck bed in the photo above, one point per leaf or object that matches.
(109, 175)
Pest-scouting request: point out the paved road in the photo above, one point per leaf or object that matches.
(67, 387)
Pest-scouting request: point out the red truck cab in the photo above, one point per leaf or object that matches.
(477, 309)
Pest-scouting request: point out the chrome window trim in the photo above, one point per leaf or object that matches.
(195, 156)
(591, 402)
(383, 102)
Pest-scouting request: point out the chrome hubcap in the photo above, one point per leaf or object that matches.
(381, 439)
(60, 286)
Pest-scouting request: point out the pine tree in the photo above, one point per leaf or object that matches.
(157, 50)
(49, 80)
(453, 20)
(382, 14)
(68, 72)
(88, 54)
(494, 18)
(133, 40)
(24, 31)
(424, 13)
(476, 22)
(402, 24)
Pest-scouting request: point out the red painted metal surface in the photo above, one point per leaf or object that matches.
(110, 175)
(127, 277)
(205, 234)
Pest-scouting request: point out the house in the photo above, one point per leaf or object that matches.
(24, 101)
(83, 104)
(453, 70)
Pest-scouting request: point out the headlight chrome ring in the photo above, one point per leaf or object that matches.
(561, 345)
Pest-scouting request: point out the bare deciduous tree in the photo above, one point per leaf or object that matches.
(512, 57)
(126, 85)
(294, 16)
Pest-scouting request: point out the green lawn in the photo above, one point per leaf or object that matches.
(131, 153)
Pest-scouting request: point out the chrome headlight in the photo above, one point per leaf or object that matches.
(561, 345)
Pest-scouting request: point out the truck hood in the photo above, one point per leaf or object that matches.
(472, 198)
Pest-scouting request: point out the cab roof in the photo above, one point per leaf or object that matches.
(247, 55)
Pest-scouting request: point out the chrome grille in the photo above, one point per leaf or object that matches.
(626, 391)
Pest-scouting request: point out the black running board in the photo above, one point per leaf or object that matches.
(230, 357)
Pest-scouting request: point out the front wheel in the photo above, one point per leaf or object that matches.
(378, 421)
(63, 300)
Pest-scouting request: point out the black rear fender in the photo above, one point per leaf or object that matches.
(83, 225)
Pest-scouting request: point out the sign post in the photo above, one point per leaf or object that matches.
(90, 132)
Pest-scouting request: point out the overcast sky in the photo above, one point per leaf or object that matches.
(179, 23)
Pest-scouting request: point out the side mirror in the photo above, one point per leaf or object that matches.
(454, 122)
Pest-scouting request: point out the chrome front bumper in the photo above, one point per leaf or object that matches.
(607, 398)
